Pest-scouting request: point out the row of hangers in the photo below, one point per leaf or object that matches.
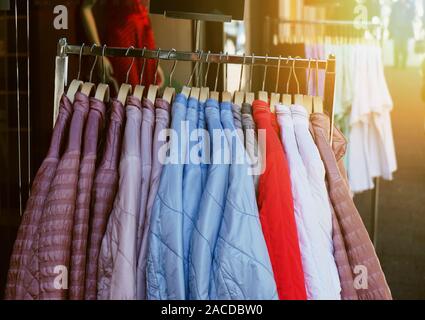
(201, 93)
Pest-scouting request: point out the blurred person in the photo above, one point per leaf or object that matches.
(126, 24)
(401, 30)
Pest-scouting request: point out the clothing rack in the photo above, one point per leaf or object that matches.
(64, 50)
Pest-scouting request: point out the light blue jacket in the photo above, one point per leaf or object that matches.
(241, 266)
(210, 211)
(192, 184)
(202, 130)
(165, 266)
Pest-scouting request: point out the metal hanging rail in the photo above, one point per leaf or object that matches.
(330, 22)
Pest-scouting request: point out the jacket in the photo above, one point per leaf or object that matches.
(82, 212)
(240, 256)
(148, 125)
(192, 184)
(27, 232)
(117, 258)
(203, 139)
(54, 249)
(211, 209)
(276, 208)
(359, 247)
(105, 186)
(162, 123)
(165, 266)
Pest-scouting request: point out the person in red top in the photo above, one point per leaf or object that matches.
(126, 24)
(276, 209)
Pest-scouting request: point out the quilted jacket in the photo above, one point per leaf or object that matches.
(103, 194)
(192, 184)
(117, 257)
(360, 250)
(147, 130)
(54, 249)
(82, 212)
(240, 256)
(27, 232)
(165, 270)
(211, 209)
(162, 123)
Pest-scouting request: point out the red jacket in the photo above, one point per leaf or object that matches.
(277, 212)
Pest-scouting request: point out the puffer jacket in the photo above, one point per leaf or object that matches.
(27, 232)
(359, 247)
(118, 258)
(54, 249)
(211, 209)
(162, 123)
(240, 256)
(165, 269)
(82, 212)
(103, 194)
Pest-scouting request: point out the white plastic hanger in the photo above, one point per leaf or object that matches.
(250, 96)
(153, 88)
(169, 91)
(76, 84)
(263, 95)
(126, 89)
(140, 88)
(102, 90)
(275, 96)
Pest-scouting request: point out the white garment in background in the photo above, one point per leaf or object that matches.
(313, 245)
(316, 177)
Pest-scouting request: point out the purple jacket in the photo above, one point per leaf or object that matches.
(103, 194)
(82, 211)
(15, 288)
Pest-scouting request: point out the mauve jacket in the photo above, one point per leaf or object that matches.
(82, 212)
(118, 258)
(103, 194)
(54, 250)
(27, 232)
(358, 245)
(162, 123)
(148, 124)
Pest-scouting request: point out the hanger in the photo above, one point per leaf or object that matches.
(298, 98)
(187, 89)
(317, 100)
(250, 96)
(205, 91)
(240, 95)
(126, 89)
(102, 90)
(88, 87)
(226, 95)
(76, 84)
(308, 99)
(287, 98)
(275, 97)
(215, 94)
(153, 88)
(169, 91)
(195, 92)
(263, 95)
(140, 88)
